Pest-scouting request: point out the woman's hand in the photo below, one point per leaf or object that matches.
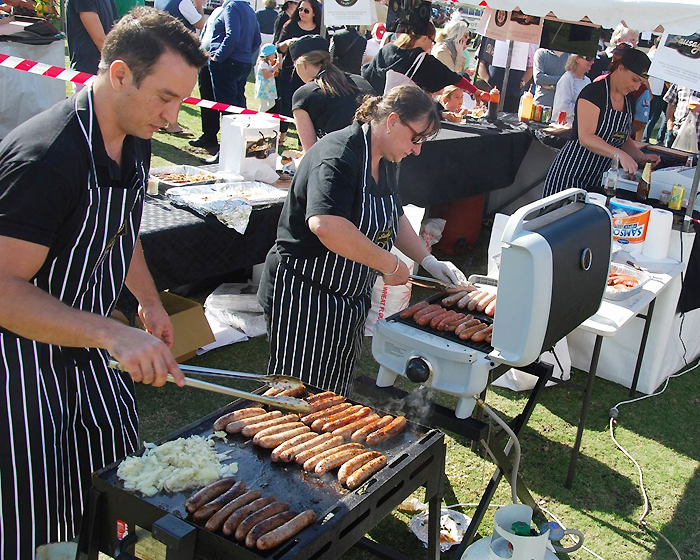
(444, 271)
(654, 159)
(398, 278)
(627, 163)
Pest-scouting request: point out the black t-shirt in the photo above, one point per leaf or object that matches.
(347, 49)
(600, 65)
(327, 113)
(84, 55)
(44, 169)
(279, 24)
(432, 75)
(597, 93)
(291, 30)
(329, 182)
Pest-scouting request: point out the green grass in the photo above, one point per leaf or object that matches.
(662, 433)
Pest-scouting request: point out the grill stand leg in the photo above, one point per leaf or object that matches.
(89, 537)
(642, 346)
(440, 417)
(584, 410)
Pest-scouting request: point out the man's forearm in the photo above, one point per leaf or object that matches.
(139, 279)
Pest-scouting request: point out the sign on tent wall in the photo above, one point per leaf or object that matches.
(349, 12)
(677, 60)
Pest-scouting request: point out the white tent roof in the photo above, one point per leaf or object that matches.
(681, 17)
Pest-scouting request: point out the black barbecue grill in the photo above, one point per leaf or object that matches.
(415, 458)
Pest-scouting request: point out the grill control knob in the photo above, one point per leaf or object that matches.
(418, 370)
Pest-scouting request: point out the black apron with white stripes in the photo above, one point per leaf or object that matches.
(320, 304)
(578, 167)
(63, 413)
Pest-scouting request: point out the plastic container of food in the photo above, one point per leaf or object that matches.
(614, 294)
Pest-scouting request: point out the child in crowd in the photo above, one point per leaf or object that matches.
(451, 100)
(267, 68)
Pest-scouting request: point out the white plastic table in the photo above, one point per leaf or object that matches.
(610, 318)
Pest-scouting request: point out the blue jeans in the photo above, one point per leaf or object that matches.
(228, 78)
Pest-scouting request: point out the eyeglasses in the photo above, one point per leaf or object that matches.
(586, 58)
(418, 138)
(305, 10)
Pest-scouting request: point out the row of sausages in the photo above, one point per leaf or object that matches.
(261, 522)
(473, 299)
(463, 325)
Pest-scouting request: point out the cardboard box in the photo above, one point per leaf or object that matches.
(191, 327)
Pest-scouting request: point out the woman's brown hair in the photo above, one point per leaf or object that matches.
(330, 79)
(409, 102)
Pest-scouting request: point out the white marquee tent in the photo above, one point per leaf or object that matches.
(681, 17)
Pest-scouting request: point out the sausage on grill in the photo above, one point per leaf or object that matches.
(411, 311)
(320, 396)
(481, 335)
(332, 443)
(256, 517)
(237, 427)
(365, 471)
(226, 419)
(435, 321)
(466, 325)
(252, 429)
(311, 418)
(310, 464)
(266, 526)
(349, 429)
(270, 441)
(318, 424)
(396, 426)
(466, 334)
(286, 531)
(289, 454)
(216, 521)
(361, 434)
(303, 438)
(326, 403)
(345, 420)
(335, 460)
(355, 463)
(424, 321)
(234, 520)
(208, 493)
(207, 510)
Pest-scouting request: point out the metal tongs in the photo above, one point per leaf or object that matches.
(279, 381)
(434, 284)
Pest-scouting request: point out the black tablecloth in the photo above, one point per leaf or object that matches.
(182, 248)
(463, 160)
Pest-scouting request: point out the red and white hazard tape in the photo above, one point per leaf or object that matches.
(67, 75)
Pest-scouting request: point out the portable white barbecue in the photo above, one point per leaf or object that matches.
(554, 265)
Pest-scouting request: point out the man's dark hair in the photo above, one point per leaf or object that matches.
(143, 35)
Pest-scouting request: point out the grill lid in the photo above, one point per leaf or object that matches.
(554, 265)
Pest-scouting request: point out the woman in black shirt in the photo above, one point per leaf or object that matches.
(399, 56)
(338, 225)
(306, 20)
(602, 128)
(329, 98)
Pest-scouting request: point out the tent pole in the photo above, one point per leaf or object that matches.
(504, 87)
(687, 223)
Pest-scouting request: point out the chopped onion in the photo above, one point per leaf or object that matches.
(175, 466)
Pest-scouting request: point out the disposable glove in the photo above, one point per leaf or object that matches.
(444, 271)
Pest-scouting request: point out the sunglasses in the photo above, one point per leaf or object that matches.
(586, 58)
(418, 138)
(305, 10)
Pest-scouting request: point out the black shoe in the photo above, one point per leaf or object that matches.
(213, 159)
(204, 142)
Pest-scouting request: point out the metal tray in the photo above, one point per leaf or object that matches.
(181, 169)
(342, 516)
(617, 295)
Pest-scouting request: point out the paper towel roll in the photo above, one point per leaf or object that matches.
(658, 234)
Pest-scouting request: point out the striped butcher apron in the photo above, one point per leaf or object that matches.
(578, 167)
(320, 304)
(63, 413)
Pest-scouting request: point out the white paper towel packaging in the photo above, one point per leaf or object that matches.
(658, 234)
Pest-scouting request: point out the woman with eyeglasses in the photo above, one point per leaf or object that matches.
(306, 20)
(417, 39)
(570, 85)
(341, 218)
(329, 97)
(602, 129)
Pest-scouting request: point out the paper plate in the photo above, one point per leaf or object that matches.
(453, 525)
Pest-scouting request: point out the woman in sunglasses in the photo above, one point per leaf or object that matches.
(602, 129)
(570, 85)
(338, 225)
(306, 20)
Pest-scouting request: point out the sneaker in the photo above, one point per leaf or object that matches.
(204, 142)
(213, 159)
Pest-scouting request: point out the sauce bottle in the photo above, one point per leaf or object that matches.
(525, 109)
(493, 104)
(644, 184)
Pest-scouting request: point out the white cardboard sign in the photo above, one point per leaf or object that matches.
(510, 26)
(677, 60)
(348, 12)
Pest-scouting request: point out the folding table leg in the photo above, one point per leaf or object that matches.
(584, 410)
(642, 347)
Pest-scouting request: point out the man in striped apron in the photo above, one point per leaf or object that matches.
(340, 220)
(72, 184)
